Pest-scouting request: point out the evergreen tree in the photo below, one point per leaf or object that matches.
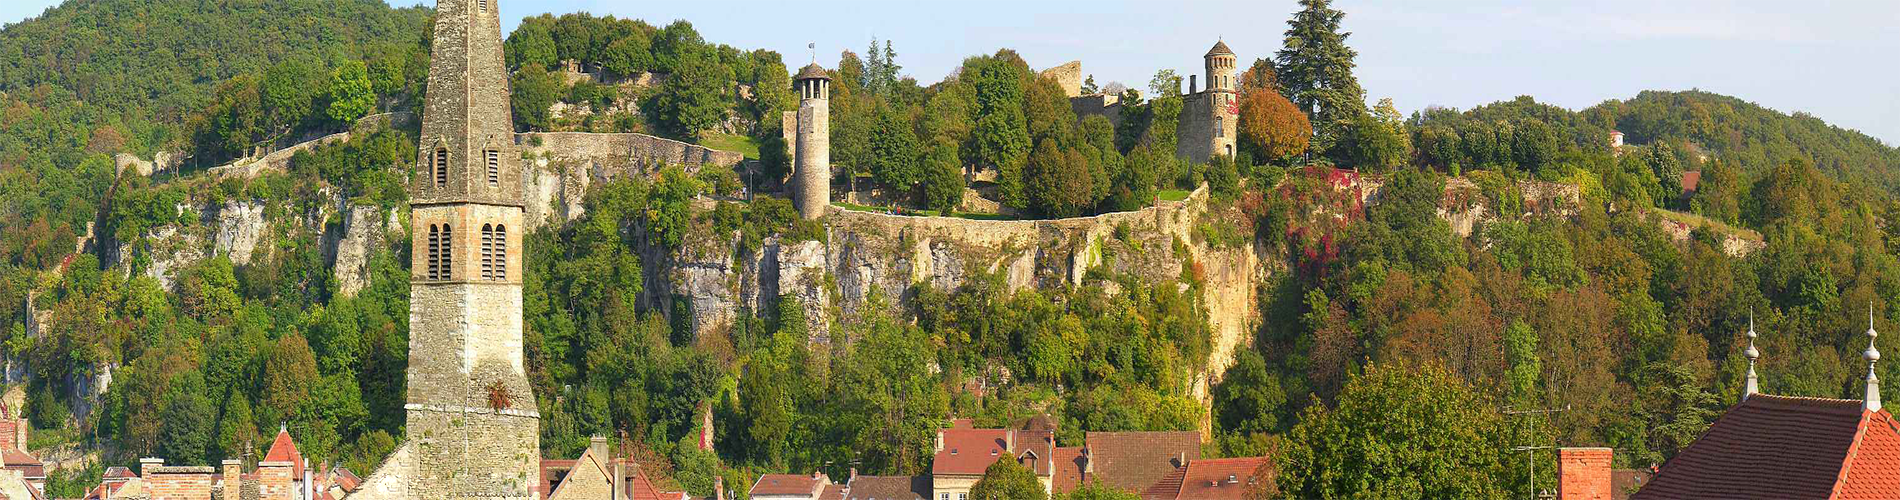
(1315, 71)
(186, 435)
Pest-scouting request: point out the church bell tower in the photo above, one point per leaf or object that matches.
(471, 413)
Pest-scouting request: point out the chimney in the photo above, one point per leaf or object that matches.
(597, 446)
(719, 488)
(1193, 86)
(309, 485)
(148, 465)
(233, 479)
(274, 481)
(178, 483)
(1583, 474)
(1088, 461)
(939, 441)
(1009, 441)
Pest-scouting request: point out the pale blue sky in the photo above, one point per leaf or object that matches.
(1833, 59)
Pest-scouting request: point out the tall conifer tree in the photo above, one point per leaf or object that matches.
(1315, 70)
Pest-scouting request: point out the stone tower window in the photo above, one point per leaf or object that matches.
(484, 5)
(501, 252)
(441, 168)
(494, 252)
(494, 168)
(488, 251)
(440, 242)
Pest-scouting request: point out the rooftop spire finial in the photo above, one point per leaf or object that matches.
(1872, 401)
(1751, 384)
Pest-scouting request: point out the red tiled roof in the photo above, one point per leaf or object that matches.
(888, 488)
(970, 451)
(1132, 461)
(1787, 447)
(640, 488)
(1069, 467)
(1212, 479)
(832, 492)
(283, 449)
(1690, 179)
(16, 458)
(117, 472)
(784, 484)
(1624, 482)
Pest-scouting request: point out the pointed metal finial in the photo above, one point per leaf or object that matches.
(1871, 402)
(1751, 384)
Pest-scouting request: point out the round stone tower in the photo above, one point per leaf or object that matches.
(811, 172)
(1223, 101)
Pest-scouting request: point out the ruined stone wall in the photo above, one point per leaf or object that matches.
(1068, 76)
(1103, 105)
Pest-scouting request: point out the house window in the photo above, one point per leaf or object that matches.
(441, 168)
(494, 168)
(963, 496)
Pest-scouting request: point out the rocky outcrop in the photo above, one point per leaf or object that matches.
(365, 229)
(239, 226)
(567, 163)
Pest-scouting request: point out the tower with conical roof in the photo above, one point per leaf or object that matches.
(811, 170)
(472, 429)
(1210, 118)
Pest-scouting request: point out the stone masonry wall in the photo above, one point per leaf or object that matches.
(565, 164)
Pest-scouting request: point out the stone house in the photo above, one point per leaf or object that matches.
(283, 474)
(597, 475)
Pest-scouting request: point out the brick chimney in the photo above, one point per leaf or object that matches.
(233, 479)
(1192, 85)
(1583, 474)
(274, 481)
(178, 483)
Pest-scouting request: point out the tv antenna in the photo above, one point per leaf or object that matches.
(1530, 451)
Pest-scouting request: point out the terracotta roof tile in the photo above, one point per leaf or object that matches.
(784, 484)
(1786, 447)
(284, 449)
(1132, 461)
(1212, 479)
(888, 488)
(970, 451)
(1068, 471)
(832, 492)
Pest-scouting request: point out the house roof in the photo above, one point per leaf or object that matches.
(970, 451)
(832, 492)
(1132, 461)
(888, 488)
(16, 458)
(784, 484)
(1690, 180)
(284, 449)
(1212, 479)
(1787, 447)
(1069, 467)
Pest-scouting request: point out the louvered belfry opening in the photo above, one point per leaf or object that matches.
(494, 168)
(441, 168)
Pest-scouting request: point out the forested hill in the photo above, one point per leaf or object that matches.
(165, 56)
(1750, 135)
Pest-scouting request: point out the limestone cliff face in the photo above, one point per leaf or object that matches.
(868, 254)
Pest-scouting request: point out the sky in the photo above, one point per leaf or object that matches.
(1832, 59)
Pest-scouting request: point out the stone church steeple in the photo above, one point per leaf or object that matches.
(473, 431)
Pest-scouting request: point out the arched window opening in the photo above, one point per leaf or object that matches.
(501, 252)
(433, 271)
(494, 168)
(488, 252)
(441, 168)
(448, 253)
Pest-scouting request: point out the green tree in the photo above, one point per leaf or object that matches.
(1520, 352)
(351, 95)
(289, 374)
(895, 153)
(628, 56)
(943, 179)
(289, 91)
(1315, 71)
(1008, 480)
(532, 44)
(1057, 182)
(1165, 83)
(694, 97)
(535, 90)
(1093, 490)
(1249, 398)
(1397, 432)
(186, 437)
